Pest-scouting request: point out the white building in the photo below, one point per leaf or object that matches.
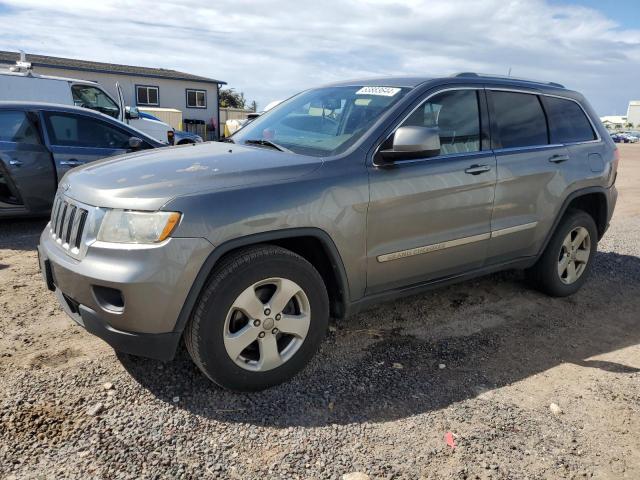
(633, 113)
(614, 122)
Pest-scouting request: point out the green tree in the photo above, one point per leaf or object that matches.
(229, 98)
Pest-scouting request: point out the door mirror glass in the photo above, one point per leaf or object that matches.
(132, 113)
(411, 142)
(135, 143)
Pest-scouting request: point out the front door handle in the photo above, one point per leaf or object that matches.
(71, 163)
(477, 169)
(558, 158)
(15, 163)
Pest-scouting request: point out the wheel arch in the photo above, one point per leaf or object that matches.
(592, 200)
(303, 241)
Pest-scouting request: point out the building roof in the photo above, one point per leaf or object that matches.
(88, 66)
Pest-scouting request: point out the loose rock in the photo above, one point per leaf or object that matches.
(555, 409)
(95, 409)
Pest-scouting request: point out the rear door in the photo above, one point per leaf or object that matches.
(531, 174)
(75, 139)
(27, 175)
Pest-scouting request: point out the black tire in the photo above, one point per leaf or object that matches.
(544, 274)
(205, 330)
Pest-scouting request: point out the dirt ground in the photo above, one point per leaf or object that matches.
(483, 360)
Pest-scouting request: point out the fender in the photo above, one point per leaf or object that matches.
(264, 237)
(565, 205)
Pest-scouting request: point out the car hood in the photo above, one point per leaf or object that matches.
(147, 180)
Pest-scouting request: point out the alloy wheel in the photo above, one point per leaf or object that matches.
(267, 324)
(574, 255)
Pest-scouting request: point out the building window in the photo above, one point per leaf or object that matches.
(147, 95)
(196, 98)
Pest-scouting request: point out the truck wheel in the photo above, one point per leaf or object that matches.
(566, 262)
(261, 317)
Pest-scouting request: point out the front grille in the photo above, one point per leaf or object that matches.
(68, 222)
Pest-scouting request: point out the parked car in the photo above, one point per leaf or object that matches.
(629, 137)
(338, 198)
(19, 83)
(40, 142)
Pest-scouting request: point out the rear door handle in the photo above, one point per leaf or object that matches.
(477, 169)
(15, 163)
(558, 158)
(71, 163)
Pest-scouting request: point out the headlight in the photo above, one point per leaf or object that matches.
(127, 226)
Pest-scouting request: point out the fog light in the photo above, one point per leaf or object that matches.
(109, 298)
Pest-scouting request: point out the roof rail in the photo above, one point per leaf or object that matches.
(503, 77)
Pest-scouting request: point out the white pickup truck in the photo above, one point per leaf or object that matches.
(19, 83)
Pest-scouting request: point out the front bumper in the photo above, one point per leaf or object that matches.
(152, 282)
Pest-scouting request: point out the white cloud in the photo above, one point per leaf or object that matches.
(271, 49)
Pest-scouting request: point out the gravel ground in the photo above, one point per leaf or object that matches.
(483, 360)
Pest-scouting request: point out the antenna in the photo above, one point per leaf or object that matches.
(509, 73)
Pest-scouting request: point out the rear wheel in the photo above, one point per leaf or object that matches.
(565, 264)
(260, 319)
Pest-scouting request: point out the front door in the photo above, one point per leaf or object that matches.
(76, 139)
(430, 218)
(27, 174)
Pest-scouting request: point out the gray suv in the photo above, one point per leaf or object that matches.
(338, 198)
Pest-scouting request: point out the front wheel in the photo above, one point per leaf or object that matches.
(260, 319)
(566, 262)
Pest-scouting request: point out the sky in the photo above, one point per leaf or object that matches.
(271, 49)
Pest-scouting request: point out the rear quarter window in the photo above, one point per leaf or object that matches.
(16, 127)
(519, 119)
(567, 121)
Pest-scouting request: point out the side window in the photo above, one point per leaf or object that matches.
(95, 99)
(70, 130)
(520, 119)
(457, 116)
(16, 127)
(567, 121)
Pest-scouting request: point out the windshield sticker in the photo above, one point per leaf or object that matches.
(381, 91)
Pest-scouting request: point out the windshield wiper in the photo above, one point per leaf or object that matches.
(227, 140)
(267, 143)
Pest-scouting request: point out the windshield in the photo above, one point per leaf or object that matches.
(321, 122)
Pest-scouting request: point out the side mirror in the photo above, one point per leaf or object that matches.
(131, 113)
(135, 143)
(412, 142)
